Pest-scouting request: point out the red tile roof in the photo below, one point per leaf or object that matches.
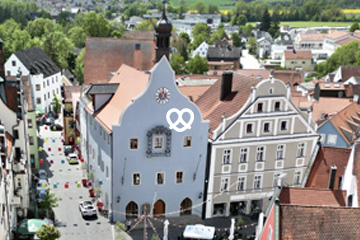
(194, 92)
(106, 55)
(349, 71)
(69, 90)
(327, 157)
(319, 223)
(341, 122)
(289, 76)
(312, 37)
(298, 54)
(132, 83)
(328, 106)
(347, 40)
(213, 109)
(337, 34)
(312, 197)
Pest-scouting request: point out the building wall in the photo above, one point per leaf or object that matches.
(305, 64)
(189, 160)
(32, 131)
(100, 162)
(268, 232)
(328, 130)
(13, 70)
(233, 140)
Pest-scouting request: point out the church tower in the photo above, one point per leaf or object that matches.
(163, 30)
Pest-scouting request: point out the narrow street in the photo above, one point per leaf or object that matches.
(249, 61)
(68, 218)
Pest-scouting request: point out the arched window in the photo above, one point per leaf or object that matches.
(131, 210)
(185, 207)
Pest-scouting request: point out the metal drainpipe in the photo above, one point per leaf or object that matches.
(112, 180)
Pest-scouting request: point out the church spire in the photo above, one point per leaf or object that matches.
(163, 30)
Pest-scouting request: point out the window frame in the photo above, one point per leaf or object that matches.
(260, 107)
(300, 152)
(241, 179)
(297, 177)
(247, 128)
(38, 87)
(244, 152)
(136, 181)
(157, 178)
(282, 152)
(286, 122)
(277, 109)
(155, 145)
(259, 181)
(227, 156)
(269, 127)
(131, 147)
(224, 184)
(177, 178)
(260, 152)
(186, 141)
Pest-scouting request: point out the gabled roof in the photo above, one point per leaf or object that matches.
(131, 83)
(194, 92)
(349, 71)
(292, 77)
(347, 40)
(339, 121)
(327, 86)
(319, 222)
(312, 197)
(312, 37)
(298, 54)
(320, 172)
(213, 109)
(104, 56)
(68, 92)
(328, 106)
(37, 61)
(223, 53)
(337, 34)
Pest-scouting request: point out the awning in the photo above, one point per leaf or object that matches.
(199, 231)
(31, 226)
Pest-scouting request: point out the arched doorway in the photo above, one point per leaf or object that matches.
(159, 208)
(131, 210)
(185, 207)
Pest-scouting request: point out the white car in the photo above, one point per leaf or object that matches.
(87, 208)
(42, 185)
(72, 158)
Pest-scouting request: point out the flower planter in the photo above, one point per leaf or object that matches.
(84, 182)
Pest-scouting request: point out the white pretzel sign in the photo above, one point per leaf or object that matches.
(186, 125)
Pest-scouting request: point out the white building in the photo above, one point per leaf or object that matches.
(44, 75)
(264, 47)
(201, 50)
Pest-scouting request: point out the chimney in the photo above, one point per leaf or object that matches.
(226, 84)
(332, 176)
(2, 67)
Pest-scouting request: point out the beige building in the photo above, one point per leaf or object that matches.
(258, 138)
(298, 60)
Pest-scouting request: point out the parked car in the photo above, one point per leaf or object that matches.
(49, 121)
(72, 158)
(42, 175)
(68, 149)
(87, 208)
(41, 195)
(42, 185)
(56, 127)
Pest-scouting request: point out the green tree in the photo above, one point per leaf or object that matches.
(236, 39)
(247, 29)
(49, 201)
(185, 36)
(212, 9)
(56, 105)
(77, 36)
(181, 46)
(354, 26)
(265, 20)
(201, 28)
(40, 27)
(108, 14)
(252, 45)
(21, 40)
(177, 63)
(64, 18)
(48, 232)
(57, 47)
(79, 67)
(146, 25)
(200, 7)
(197, 65)
(96, 25)
(219, 33)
